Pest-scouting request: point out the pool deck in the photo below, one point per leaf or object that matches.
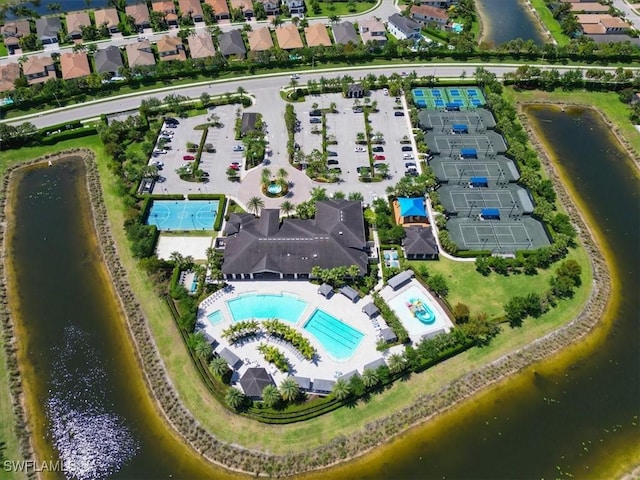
(326, 367)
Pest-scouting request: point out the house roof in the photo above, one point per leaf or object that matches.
(201, 45)
(373, 29)
(345, 33)
(231, 358)
(260, 39)
(254, 380)
(348, 375)
(412, 207)
(74, 65)
(388, 335)
(219, 6)
(139, 12)
(190, 7)
(404, 24)
(36, 64)
(317, 35)
(248, 123)
(335, 237)
(108, 16)
(614, 22)
(400, 279)
(350, 293)
(48, 26)
(322, 385)
(593, 29)
(288, 37)
(171, 48)
(303, 382)
(429, 11)
(108, 60)
(18, 28)
(589, 7)
(587, 18)
(244, 5)
(325, 290)
(77, 20)
(355, 88)
(210, 340)
(163, 6)
(370, 310)
(419, 241)
(376, 363)
(231, 43)
(140, 53)
(9, 73)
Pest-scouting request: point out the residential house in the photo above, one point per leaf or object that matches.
(589, 7)
(403, 28)
(171, 48)
(373, 30)
(428, 15)
(38, 69)
(9, 73)
(296, 7)
(140, 14)
(108, 60)
(243, 5)
(140, 54)
(108, 17)
(438, 3)
(191, 8)
(289, 37)
(231, 44)
(74, 65)
(47, 29)
(220, 9)
(419, 243)
(12, 32)
(345, 33)
(168, 8)
(260, 39)
(271, 7)
(317, 35)
(266, 247)
(201, 45)
(75, 22)
(602, 24)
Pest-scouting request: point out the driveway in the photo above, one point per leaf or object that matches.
(299, 188)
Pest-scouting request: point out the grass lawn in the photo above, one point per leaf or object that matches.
(607, 102)
(551, 23)
(339, 8)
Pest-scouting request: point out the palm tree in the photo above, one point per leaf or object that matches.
(255, 204)
(341, 389)
(234, 398)
(383, 168)
(270, 396)
(289, 389)
(339, 195)
(241, 91)
(265, 176)
(334, 18)
(396, 363)
(356, 197)
(177, 258)
(287, 207)
(203, 349)
(318, 193)
(282, 174)
(218, 366)
(370, 378)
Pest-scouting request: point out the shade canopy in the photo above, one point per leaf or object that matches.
(490, 213)
(412, 207)
(468, 152)
(460, 127)
(479, 181)
(254, 380)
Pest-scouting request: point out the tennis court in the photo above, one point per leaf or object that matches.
(498, 236)
(489, 143)
(450, 170)
(471, 200)
(168, 215)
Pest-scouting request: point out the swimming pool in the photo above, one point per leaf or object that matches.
(418, 313)
(215, 318)
(336, 337)
(391, 258)
(183, 214)
(266, 306)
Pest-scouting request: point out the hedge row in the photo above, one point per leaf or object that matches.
(69, 135)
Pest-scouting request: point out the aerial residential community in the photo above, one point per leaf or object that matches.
(268, 237)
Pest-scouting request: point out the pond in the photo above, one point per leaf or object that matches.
(505, 20)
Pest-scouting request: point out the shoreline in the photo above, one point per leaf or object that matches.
(486, 27)
(431, 405)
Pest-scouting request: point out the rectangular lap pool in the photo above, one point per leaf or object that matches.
(266, 306)
(174, 215)
(337, 338)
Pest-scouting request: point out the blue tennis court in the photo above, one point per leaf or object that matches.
(183, 214)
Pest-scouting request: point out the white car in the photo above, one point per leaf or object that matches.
(295, 76)
(360, 149)
(159, 151)
(156, 163)
(385, 91)
(407, 156)
(238, 148)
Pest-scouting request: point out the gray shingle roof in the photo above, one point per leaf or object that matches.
(348, 375)
(303, 382)
(398, 280)
(248, 123)
(321, 385)
(254, 380)
(419, 241)
(375, 364)
(334, 238)
(388, 335)
(345, 33)
(231, 43)
(370, 310)
(48, 26)
(350, 293)
(231, 358)
(325, 290)
(404, 24)
(108, 60)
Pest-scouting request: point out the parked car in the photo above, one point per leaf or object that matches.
(360, 149)
(295, 76)
(378, 165)
(166, 138)
(168, 133)
(234, 166)
(171, 121)
(377, 149)
(238, 148)
(157, 163)
(407, 156)
(171, 125)
(188, 158)
(235, 163)
(331, 154)
(407, 148)
(332, 161)
(399, 113)
(379, 157)
(159, 151)
(411, 173)
(315, 113)
(410, 165)
(315, 120)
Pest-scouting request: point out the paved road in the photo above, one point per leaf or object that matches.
(632, 15)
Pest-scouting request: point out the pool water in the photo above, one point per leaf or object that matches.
(420, 310)
(418, 315)
(274, 188)
(338, 339)
(266, 306)
(215, 318)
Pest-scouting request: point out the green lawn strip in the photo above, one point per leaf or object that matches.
(607, 102)
(9, 449)
(340, 9)
(3, 50)
(551, 23)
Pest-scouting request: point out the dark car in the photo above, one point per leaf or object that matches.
(315, 120)
(315, 113)
(398, 113)
(407, 148)
(332, 161)
(171, 121)
(410, 165)
(377, 149)
(331, 154)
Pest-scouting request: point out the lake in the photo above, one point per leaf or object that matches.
(504, 20)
